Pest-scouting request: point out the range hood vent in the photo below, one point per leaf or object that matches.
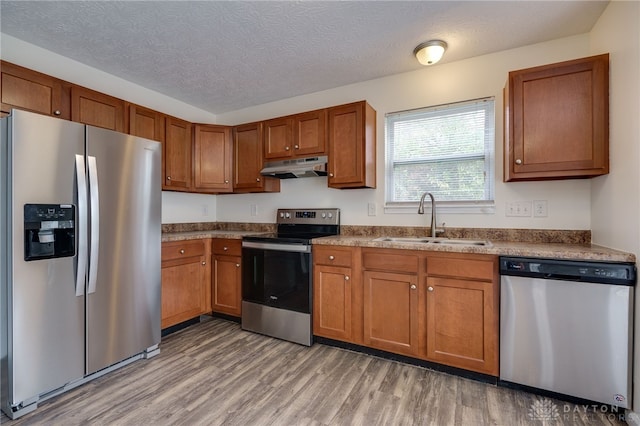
(298, 168)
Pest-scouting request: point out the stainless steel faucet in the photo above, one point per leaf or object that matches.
(433, 212)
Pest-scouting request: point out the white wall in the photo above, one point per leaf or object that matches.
(568, 201)
(615, 206)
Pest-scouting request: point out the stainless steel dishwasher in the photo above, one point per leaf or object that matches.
(566, 327)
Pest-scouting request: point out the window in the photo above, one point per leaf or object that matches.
(447, 150)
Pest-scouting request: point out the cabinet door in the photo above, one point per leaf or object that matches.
(32, 91)
(213, 158)
(248, 161)
(310, 133)
(352, 146)
(227, 289)
(332, 304)
(146, 123)
(97, 109)
(462, 324)
(278, 138)
(177, 154)
(391, 312)
(557, 120)
(183, 289)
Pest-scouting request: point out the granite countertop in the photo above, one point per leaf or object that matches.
(196, 235)
(523, 249)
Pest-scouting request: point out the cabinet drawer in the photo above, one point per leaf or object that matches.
(392, 261)
(334, 256)
(461, 268)
(227, 247)
(182, 249)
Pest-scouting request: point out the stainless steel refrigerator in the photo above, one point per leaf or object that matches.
(80, 251)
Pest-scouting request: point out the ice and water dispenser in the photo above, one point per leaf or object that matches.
(49, 231)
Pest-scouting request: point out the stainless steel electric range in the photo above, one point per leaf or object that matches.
(277, 274)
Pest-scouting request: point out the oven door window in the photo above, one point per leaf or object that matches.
(277, 278)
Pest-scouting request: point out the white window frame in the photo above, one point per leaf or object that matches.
(481, 206)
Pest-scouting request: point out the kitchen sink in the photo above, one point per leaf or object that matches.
(440, 241)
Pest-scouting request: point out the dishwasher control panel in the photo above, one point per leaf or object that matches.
(569, 270)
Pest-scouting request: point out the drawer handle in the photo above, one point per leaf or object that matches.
(225, 248)
(430, 288)
(204, 263)
(331, 257)
(346, 277)
(413, 287)
(181, 251)
(286, 148)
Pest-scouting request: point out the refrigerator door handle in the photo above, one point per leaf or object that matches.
(81, 261)
(95, 224)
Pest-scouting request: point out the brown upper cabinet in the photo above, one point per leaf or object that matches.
(296, 136)
(146, 123)
(352, 146)
(177, 155)
(213, 158)
(97, 109)
(25, 89)
(248, 161)
(557, 121)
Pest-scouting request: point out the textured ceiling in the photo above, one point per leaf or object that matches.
(227, 55)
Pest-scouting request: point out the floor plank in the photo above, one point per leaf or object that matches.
(214, 373)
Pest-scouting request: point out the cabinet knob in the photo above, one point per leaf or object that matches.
(413, 287)
(181, 251)
(296, 147)
(518, 161)
(257, 179)
(225, 248)
(331, 257)
(168, 177)
(330, 174)
(226, 181)
(346, 277)
(237, 265)
(286, 148)
(57, 112)
(430, 288)
(204, 263)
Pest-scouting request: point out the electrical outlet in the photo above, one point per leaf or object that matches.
(371, 208)
(539, 208)
(518, 209)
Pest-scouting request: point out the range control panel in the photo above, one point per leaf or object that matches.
(309, 216)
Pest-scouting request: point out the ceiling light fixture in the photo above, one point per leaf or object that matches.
(430, 52)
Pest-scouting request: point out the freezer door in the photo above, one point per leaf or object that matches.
(46, 318)
(123, 292)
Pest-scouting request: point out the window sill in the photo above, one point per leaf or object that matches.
(481, 207)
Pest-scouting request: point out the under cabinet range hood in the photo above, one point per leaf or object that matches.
(297, 168)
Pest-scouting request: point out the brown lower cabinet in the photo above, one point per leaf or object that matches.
(227, 274)
(186, 280)
(440, 307)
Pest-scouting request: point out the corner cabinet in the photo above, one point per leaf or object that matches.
(186, 282)
(213, 158)
(248, 161)
(352, 146)
(557, 121)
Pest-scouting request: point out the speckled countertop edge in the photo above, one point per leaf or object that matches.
(196, 235)
(540, 250)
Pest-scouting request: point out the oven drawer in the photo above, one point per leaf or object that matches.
(227, 247)
(182, 249)
(333, 256)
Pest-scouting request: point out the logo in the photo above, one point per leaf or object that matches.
(544, 410)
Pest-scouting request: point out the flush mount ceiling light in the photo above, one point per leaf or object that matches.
(430, 52)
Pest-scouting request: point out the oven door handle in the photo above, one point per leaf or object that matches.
(298, 248)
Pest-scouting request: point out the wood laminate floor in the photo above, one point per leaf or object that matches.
(213, 373)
